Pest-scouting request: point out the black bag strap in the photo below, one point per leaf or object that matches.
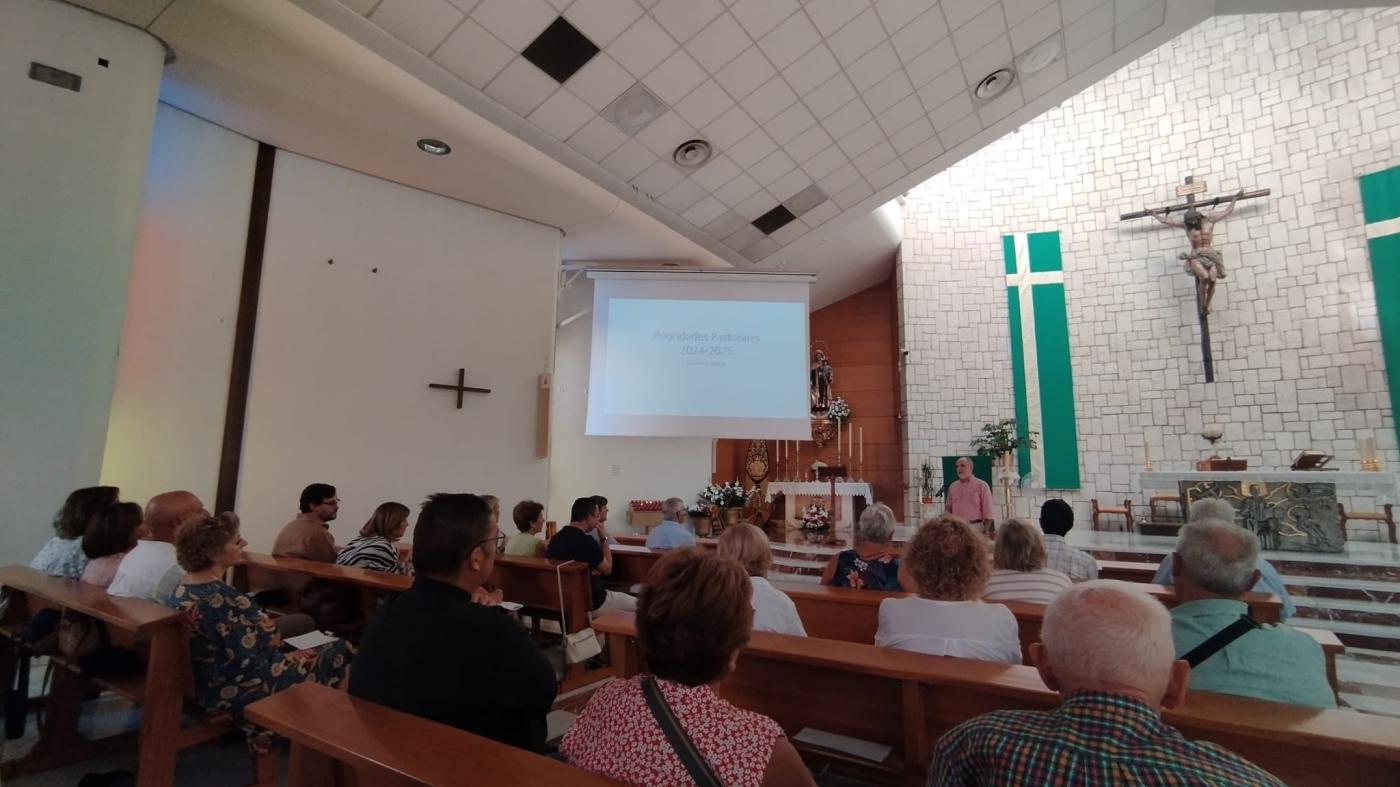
(17, 696)
(681, 743)
(1217, 641)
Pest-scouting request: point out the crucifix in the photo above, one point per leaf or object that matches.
(461, 387)
(1203, 261)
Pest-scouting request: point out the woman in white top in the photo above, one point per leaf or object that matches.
(946, 564)
(772, 609)
(1018, 567)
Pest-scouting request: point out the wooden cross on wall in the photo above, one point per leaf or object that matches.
(461, 387)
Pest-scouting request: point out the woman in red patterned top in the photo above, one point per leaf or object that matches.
(692, 619)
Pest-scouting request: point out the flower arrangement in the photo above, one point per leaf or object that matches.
(839, 410)
(815, 518)
(645, 505)
(697, 510)
(726, 495)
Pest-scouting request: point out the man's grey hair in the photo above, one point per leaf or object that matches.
(1212, 508)
(673, 509)
(876, 524)
(1219, 556)
(1105, 635)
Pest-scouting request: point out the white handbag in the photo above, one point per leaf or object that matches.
(581, 645)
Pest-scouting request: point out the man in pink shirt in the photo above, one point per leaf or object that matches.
(969, 497)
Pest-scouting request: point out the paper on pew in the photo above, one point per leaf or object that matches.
(868, 750)
(311, 639)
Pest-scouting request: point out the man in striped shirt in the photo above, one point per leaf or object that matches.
(1056, 520)
(1106, 647)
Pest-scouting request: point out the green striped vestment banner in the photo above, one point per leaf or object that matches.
(1380, 205)
(1040, 365)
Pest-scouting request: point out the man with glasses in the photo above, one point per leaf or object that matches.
(309, 535)
(439, 652)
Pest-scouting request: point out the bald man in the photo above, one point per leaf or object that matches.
(149, 570)
(969, 497)
(1106, 647)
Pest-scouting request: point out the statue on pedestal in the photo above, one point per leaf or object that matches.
(821, 375)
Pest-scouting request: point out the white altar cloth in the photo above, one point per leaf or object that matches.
(799, 493)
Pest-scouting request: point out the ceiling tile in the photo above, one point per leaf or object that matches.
(600, 81)
(790, 122)
(912, 135)
(737, 190)
(704, 211)
(960, 12)
(959, 132)
(789, 232)
(724, 226)
(1018, 10)
(888, 92)
(684, 18)
(847, 119)
(682, 196)
(888, 174)
(934, 61)
(1033, 30)
(729, 128)
(559, 5)
(744, 237)
(831, 96)
(752, 149)
(597, 139)
(825, 163)
(745, 73)
(761, 249)
(361, 7)
(922, 154)
(642, 47)
(756, 205)
(1139, 24)
(1090, 53)
(862, 139)
(420, 25)
(981, 31)
(562, 114)
(561, 50)
(716, 173)
(657, 179)
(950, 112)
(675, 77)
(773, 97)
(662, 135)
(465, 6)
(986, 60)
(1126, 8)
(898, 13)
(812, 69)
(901, 114)
(760, 16)
(1089, 27)
(873, 66)
(873, 159)
(856, 38)
(473, 54)
(808, 144)
(790, 185)
(516, 22)
(789, 40)
(853, 195)
(821, 214)
(831, 15)
(603, 20)
(704, 104)
(914, 38)
(776, 165)
(840, 180)
(521, 87)
(719, 43)
(630, 160)
(1071, 10)
(1039, 83)
(943, 88)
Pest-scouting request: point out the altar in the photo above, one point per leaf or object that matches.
(800, 493)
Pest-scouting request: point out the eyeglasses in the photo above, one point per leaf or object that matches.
(499, 539)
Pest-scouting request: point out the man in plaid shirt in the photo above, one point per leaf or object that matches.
(1107, 649)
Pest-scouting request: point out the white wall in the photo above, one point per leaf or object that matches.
(181, 305)
(70, 186)
(618, 468)
(1302, 105)
(420, 285)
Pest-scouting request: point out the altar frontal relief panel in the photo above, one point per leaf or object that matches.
(699, 355)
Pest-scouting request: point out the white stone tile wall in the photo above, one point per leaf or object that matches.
(1300, 104)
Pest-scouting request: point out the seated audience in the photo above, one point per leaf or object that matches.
(529, 520)
(443, 650)
(150, 570)
(1106, 648)
(1269, 579)
(946, 565)
(236, 649)
(871, 563)
(575, 542)
(495, 504)
(63, 555)
(773, 610)
(599, 534)
(112, 533)
(1214, 564)
(1018, 567)
(692, 619)
(1056, 520)
(671, 534)
(374, 547)
(309, 535)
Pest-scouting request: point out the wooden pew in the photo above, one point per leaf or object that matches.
(337, 739)
(156, 632)
(1127, 571)
(907, 700)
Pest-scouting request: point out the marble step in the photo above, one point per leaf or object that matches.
(1345, 609)
(1371, 636)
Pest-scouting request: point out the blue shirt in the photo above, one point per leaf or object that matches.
(1274, 662)
(1269, 582)
(670, 535)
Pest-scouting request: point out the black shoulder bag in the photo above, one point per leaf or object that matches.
(681, 743)
(1217, 641)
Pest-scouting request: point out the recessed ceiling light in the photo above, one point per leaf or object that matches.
(994, 84)
(634, 109)
(692, 154)
(1040, 56)
(434, 147)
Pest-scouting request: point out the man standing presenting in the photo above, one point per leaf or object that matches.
(149, 570)
(575, 542)
(970, 498)
(309, 535)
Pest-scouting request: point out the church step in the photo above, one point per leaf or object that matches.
(1359, 635)
(1312, 609)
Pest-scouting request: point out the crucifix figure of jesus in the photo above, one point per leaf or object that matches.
(1203, 261)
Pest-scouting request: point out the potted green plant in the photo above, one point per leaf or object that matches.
(1001, 439)
(926, 482)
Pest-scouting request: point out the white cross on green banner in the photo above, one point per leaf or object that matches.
(1040, 366)
(1380, 204)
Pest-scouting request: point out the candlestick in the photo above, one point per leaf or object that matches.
(1146, 453)
(1370, 462)
(838, 442)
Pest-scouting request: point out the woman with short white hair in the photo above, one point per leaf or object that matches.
(870, 563)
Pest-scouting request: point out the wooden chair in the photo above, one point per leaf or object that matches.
(1164, 500)
(1387, 516)
(337, 739)
(1126, 512)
